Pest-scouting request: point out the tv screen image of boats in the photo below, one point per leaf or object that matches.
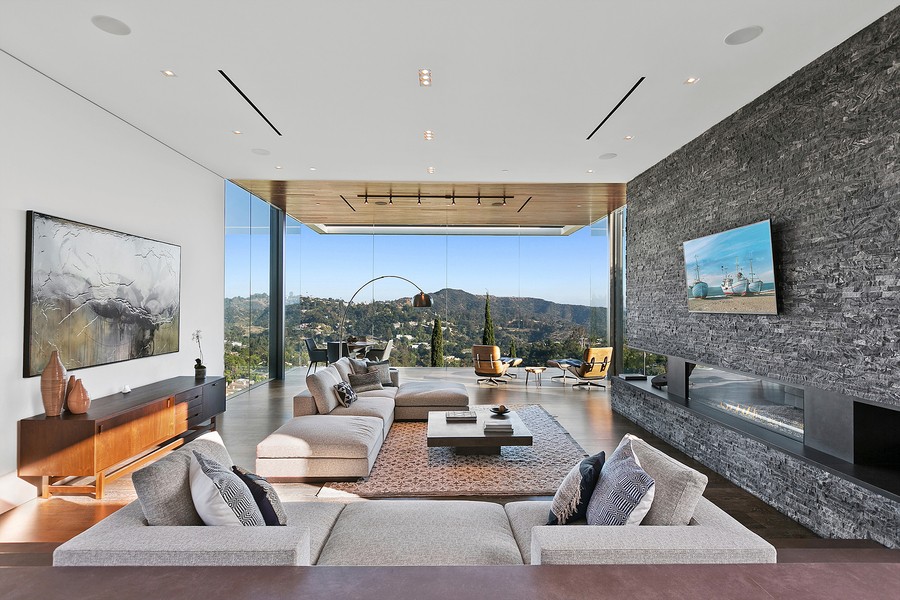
(732, 271)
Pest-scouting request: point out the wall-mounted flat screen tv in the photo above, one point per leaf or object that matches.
(732, 271)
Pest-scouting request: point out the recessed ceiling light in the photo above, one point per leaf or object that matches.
(607, 156)
(429, 134)
(590, 170)
(110, 25)
(168, 73)
(260, 151)
(430, 170)
(425, 77)
(742, 36)
(237, 132)
(313, 169)
(277, 166)
(691, 80)
(629, 137)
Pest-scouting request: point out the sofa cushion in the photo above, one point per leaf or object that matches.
(366, 406)
(432, 393)
(678, 487)
(571, 499)
(323, 436)
(365, 382)
(346, 393)
(164, 489)
(344, 368)
(360, 365)
(321, 385)
(220, 496)
(319, 517)
(624, 491)
(525, 515)
(264, 495)
(421, 532)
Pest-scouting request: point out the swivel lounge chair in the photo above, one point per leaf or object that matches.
(593, 367)
(316, 355)
(488, 364)
(512, 364)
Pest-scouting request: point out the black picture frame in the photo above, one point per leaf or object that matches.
(96, 295)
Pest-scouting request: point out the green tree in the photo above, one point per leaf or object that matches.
(437, 344)
(487, 338)
(512, 349)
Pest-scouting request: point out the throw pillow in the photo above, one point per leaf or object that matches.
(264, 495)
(624, 492)
(678, 487)
(346, 395)
(383, 368)
(366, 382)
(220, 497)
(571, 500)
(360, 365)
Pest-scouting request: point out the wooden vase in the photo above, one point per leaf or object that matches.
(78, 401)
(53, 386)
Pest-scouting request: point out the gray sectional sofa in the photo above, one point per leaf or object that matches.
(399, 532)
(326, 440)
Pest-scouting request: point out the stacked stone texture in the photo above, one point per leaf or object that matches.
(818, 155)
(826, 503)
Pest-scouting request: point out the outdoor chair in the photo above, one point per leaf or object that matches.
(379, 354)
(488, 364)
(316, 355)
(593, 367)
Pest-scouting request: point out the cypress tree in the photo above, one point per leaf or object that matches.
(437, 344)
(512, 349)
(487, 338)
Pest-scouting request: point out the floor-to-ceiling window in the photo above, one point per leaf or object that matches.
(248, 266)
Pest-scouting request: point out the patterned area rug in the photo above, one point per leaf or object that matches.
(407, 467)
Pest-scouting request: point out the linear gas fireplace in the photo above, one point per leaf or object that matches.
(773, 406)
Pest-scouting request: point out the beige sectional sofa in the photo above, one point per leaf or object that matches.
(397, 532)
(326, 440)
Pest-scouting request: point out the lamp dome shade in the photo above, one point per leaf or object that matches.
(421, 300)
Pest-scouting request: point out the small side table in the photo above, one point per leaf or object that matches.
(537, 373)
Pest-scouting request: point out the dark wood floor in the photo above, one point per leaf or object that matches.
(30, 532)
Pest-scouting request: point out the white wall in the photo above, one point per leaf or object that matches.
(63, 156)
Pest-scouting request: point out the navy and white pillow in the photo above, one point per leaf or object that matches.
(264, 495)
(220, 497)
(624, 492)
(346, 395)
(571, 500)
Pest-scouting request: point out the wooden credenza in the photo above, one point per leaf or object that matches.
(118, 434)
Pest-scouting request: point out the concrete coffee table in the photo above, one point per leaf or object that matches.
(469, 437)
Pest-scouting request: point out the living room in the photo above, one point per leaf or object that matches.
(812, 152)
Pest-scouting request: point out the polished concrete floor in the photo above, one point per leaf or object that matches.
(29, 532)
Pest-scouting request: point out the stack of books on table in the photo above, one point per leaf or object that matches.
(498, 427)
(463, 416)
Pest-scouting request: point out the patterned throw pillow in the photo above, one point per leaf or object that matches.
(346, 395)
(623, 493)
(264, 495)
(383, 368)
(220, 497)
(571, 500)
(360, 365)
(366, 382)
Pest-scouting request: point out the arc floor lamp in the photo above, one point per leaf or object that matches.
(420, 300)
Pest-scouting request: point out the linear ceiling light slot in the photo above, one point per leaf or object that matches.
(622, 101)
(348, 204)
(249, 101)
(526, 202)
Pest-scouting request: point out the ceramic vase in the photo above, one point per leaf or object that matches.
(69, 385)
(53, 386)
(78, 401)
(200, 372)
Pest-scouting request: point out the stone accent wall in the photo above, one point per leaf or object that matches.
(829, 505)
(818, 154)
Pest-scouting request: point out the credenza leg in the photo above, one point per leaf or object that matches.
(44, 489)
(98, 486)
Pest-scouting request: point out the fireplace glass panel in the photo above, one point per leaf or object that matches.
(771, 405)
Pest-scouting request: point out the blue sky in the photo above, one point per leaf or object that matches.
(572, 269)
(722, 249)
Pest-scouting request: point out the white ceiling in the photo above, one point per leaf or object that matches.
(518, 85)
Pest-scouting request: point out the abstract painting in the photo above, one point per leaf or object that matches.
(97, 296)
